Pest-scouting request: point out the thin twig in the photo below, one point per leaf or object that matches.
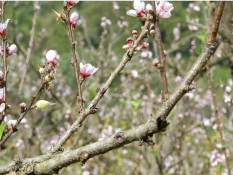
(29, 50)
(217, 118)
(74, 57)
(22, 115)
(92, 107)
(162, 56)
(5, 68)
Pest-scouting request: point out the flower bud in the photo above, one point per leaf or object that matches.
(126, 47)
(144, 45)
(129, 40)
(23, 106)
(43, 104)
(1, 76)
(156, 62)
(134, 33)
(49, 78)
(41, 70)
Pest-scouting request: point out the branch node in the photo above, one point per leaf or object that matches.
(84, 155)
(94, 110)
(119, 137)
(147, 140)
(162, 124)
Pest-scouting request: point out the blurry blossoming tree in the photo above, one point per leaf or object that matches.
(113, 102)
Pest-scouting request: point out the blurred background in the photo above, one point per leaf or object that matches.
(191, 145)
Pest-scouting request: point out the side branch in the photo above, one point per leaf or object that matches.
(92, 107)
(74, 57)
(162, 56)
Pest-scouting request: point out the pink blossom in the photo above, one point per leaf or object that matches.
(149, 8)
(2, 104)
(1, 76)
(216, 158)
(139, 9)
(20, 144)
(105, 21)
(3, 27)
(164, 8)
(74, 21)
(52, 57)
(72, 3)
(11, 51)
(11, 123)
(126, 46)
(87, 69)
(134, 73)
(146, 54)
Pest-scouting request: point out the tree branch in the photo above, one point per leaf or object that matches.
(92, 107)
(49, 165)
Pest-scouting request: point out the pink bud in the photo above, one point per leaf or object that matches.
(129, 40)
(126, 47)
(22, 106)
(144, 45)
(3, 27)
(1, 76)
(12, 49)
(72, 3)
(134, 32)
(155, 62)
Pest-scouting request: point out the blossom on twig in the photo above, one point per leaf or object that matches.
(139, 9)
(3, 27)
(74, 21)
(52, 57)
(87, 69)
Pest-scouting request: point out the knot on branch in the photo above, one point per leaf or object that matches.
(18, 164)
(213, 46)
(94, 110)
(189, 88)
(147, 140)
(28, 169)
(119, 137)
(84, 157)
(162, 124)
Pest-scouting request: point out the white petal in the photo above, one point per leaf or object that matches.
(74, 16)
(131, 13)
(149, 8)
(1, 93)
(2, 107)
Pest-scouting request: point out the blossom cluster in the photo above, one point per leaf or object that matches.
(163, 9)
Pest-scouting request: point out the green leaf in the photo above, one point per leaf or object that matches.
(2, 128)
